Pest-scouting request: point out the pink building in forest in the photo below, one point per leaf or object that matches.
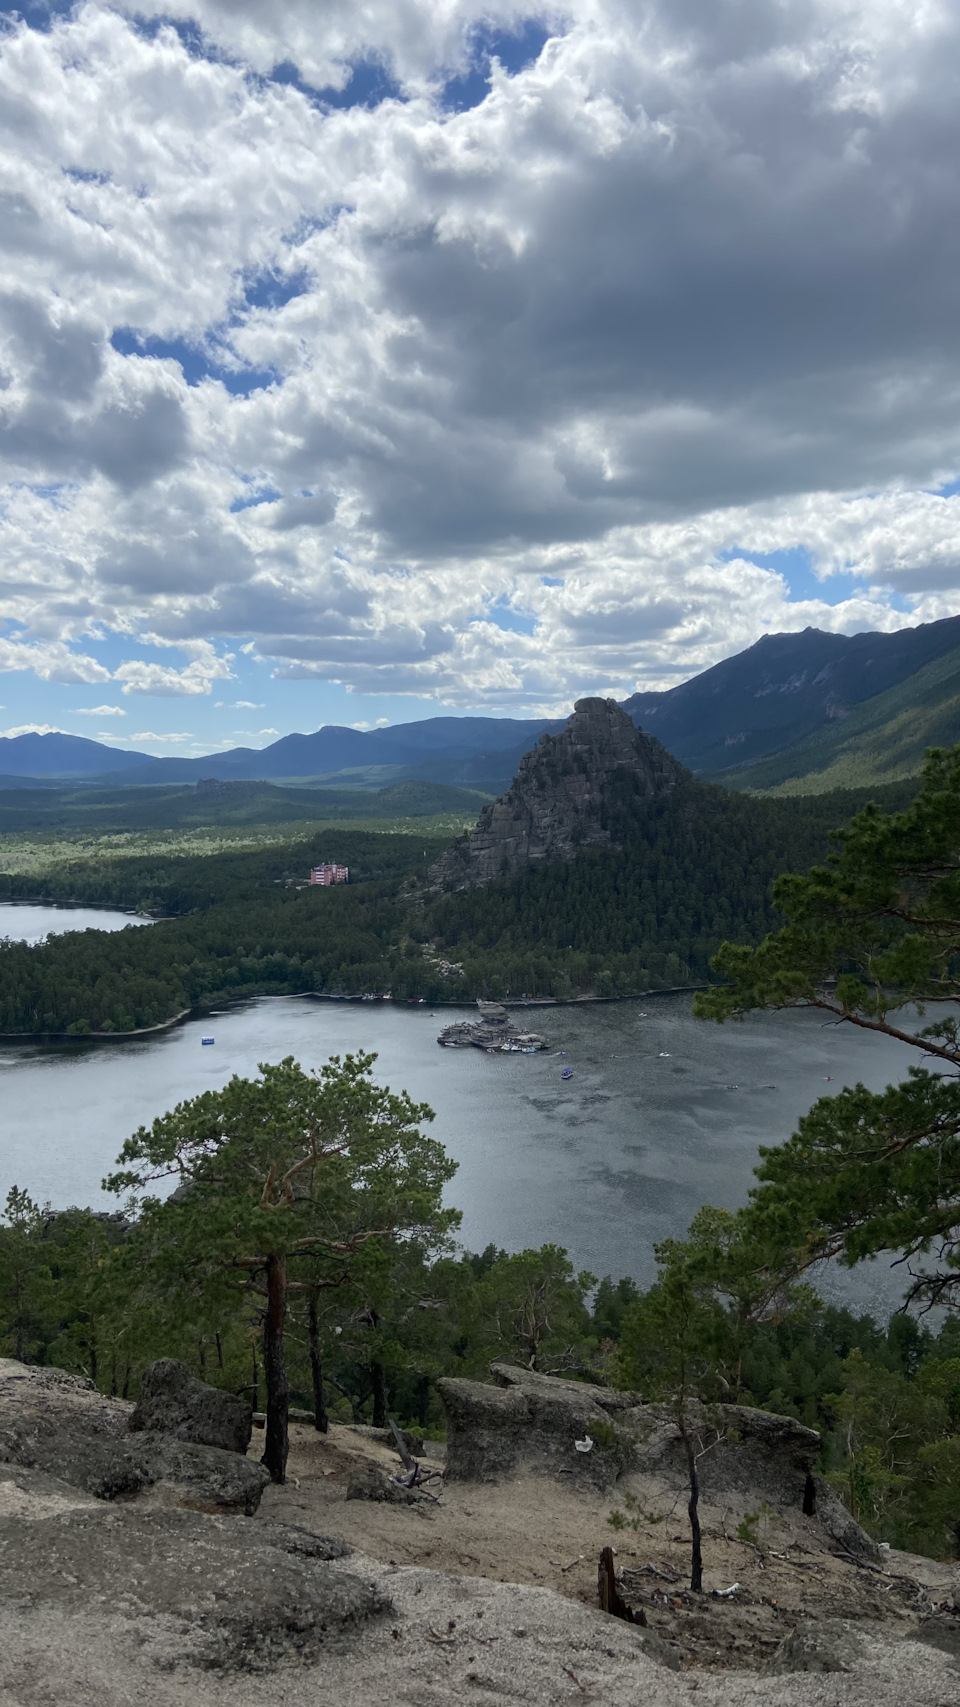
(327, 874)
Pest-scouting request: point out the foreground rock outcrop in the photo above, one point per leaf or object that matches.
(569, 792)
(129, 1602)
(592, 1436)
(59, 1424)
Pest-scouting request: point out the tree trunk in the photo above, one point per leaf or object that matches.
(379, 1379)
(321, 1421)
(423, 1400)
(278, 1395)
(696, 1556)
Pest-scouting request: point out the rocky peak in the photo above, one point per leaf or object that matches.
(568, 792)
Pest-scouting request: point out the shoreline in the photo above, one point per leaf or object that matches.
(225, 1003)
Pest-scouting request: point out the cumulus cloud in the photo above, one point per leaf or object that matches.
(98, 711)
(52, 661)
(165, 681)
(494, 405)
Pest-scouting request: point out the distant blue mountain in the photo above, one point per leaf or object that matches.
(752, 706)
(63, 756)
(439, 749)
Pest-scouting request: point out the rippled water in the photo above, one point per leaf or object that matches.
(663, 1112)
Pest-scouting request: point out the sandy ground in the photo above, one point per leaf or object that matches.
(536, 1532)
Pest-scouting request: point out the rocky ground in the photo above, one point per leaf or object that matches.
(484, 1593)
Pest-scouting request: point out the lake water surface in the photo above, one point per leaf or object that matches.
(663, 1113)
(32, 923)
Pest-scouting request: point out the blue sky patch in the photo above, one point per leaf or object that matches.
(271, 289)
(195, 364)
(261, 495)
(39, 14)
(795, 564)
(511, 620)
(514, 49)
(368, 85)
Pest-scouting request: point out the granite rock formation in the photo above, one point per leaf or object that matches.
(571, 791)
(60, 1425)
(542, 1425)
(173, 1401)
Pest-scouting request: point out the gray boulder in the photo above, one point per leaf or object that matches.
(372, 1483)
(59, 1424)
(747, 1452)
(531, 1422)
(527, 1422)
(174, 1401)
(825, 1647)
(839, 1523)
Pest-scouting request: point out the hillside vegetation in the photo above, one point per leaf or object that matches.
(697, 868)
(880, 741)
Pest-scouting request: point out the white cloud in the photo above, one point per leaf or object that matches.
(98, 711)
(31, 729)
(52, 661)
(347, 390)
(150, 735)
(247, 705)
(163, 681)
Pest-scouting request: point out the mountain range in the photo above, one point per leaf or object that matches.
(794, 713)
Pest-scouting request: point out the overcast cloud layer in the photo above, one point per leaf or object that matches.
(485, 355)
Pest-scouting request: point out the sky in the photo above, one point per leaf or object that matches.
(367, 360)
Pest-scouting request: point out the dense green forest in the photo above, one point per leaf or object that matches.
(242, 927)
(66, 809)
(694, 869)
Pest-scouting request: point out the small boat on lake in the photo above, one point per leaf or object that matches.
(206, 1042)
(567, 1073)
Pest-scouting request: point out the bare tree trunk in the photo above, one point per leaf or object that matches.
(696, 1556)
(379, 1379)
(321, 1421)
(278, 1395)
(219, 1350)
(423, 1400)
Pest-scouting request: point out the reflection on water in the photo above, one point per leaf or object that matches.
(663, 1112)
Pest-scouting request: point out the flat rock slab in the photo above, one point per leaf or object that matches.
(448, 1642)
(206, 1592)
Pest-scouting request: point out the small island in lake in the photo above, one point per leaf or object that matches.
(493, 1032)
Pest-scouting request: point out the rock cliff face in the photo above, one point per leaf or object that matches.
(566, 794)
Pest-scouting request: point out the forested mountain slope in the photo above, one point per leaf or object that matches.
(880, 741)
(782, 690)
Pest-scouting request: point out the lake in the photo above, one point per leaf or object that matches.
(32, 923)
(663, 1112)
